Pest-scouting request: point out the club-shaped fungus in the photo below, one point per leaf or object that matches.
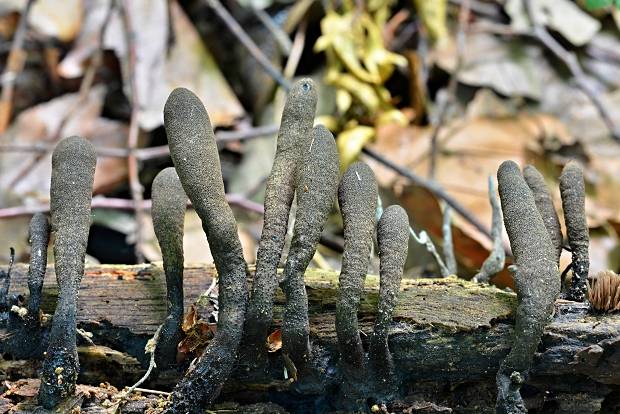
(73, 170)
(168, 212)
(195, 156)
(537, 282)
(294, 135)
(357, 197)
(317, 183)
(572, 189)
(392, 238)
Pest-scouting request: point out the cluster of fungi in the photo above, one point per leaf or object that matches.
(306, 167)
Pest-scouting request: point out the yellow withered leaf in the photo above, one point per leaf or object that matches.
(328, 121)
(350, 143)
(362, 92)
(433, 14)
(392, 116)
(343, 35)
(343, 100)
(379, 61)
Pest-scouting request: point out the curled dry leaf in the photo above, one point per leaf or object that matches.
(157, 70)
(274, 341)
(38, 124)
(198, 334)
(433, 15)
(60, 19)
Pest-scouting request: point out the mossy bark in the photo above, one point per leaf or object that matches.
(447, 340)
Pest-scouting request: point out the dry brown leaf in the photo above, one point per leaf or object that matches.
(23, 388)
(471, 150)
(511, 67)
(36, 124)
(189, 319)
(157, 70)
(60, 19)
(274, 341)
(196, 340)
(198, 334)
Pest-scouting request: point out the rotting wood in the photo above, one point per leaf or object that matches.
(448, 337)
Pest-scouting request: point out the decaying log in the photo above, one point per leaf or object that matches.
(448, 339)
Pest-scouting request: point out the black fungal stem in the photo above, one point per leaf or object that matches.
(572, 189)
(317, 183)
(357, 197)
(544, 203)
(196, 159)
(294, 135)
(39, 234)
(168, 212)
(537, 282)
(392, 237)
(73, 170)
(5, 278)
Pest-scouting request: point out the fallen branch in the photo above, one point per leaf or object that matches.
(448, 337)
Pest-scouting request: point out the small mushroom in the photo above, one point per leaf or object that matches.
(317, 183)
(294, 135)
(73, 170)
(392, 237)
(572, 189)
(544, 203)
(196, 159)
(604, 291)
(537, 282)
(168, 212)
(357, 197)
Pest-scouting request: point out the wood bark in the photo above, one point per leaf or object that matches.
(448, 339)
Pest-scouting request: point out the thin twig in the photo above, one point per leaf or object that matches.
(135, 186)
(431, 186)
(154, 392)
(206, 296)
(279, 35)
(150, 347)
(448, 245)
(570, 61)
(497, 258)
(14, 65)
(222, 137)
(248, 43)
(85, 87)
(296, 50)
(123, 204)
(452, 84)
